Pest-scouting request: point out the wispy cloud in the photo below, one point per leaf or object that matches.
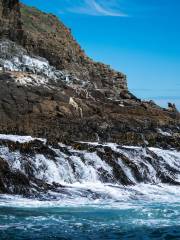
(96, 8)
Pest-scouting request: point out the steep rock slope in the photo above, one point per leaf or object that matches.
(44, 35)
(50, 88)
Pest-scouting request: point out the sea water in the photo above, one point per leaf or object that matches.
(139, 212)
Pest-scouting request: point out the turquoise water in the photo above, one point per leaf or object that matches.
(93, 219)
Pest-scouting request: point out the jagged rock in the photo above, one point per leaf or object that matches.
(172, 107)
(12, 182)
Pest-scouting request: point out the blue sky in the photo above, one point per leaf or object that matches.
(141, 38)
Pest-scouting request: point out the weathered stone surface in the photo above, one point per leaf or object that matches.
(48, 112)
(10, 20)
(44, 35)
(12, 182)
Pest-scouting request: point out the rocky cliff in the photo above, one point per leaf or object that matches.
(50, 88)
(44, 35)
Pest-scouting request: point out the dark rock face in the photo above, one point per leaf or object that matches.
(44, 35)
(10, 20)
(63, 51)
(12, 182)
(39, 100)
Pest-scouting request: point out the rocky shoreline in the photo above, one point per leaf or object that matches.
(50, 89)
(34, 167)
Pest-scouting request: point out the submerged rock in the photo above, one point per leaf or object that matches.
(12, 182)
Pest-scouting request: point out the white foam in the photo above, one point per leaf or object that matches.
(164, 133)
(20, 139)
(84, 173)
(117, 197)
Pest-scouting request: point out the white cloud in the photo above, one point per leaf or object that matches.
(96, 8)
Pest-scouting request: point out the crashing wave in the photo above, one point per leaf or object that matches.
(83, 167)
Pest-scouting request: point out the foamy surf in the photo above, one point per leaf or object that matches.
(141, 212)
(96, 191)
(99, 195)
